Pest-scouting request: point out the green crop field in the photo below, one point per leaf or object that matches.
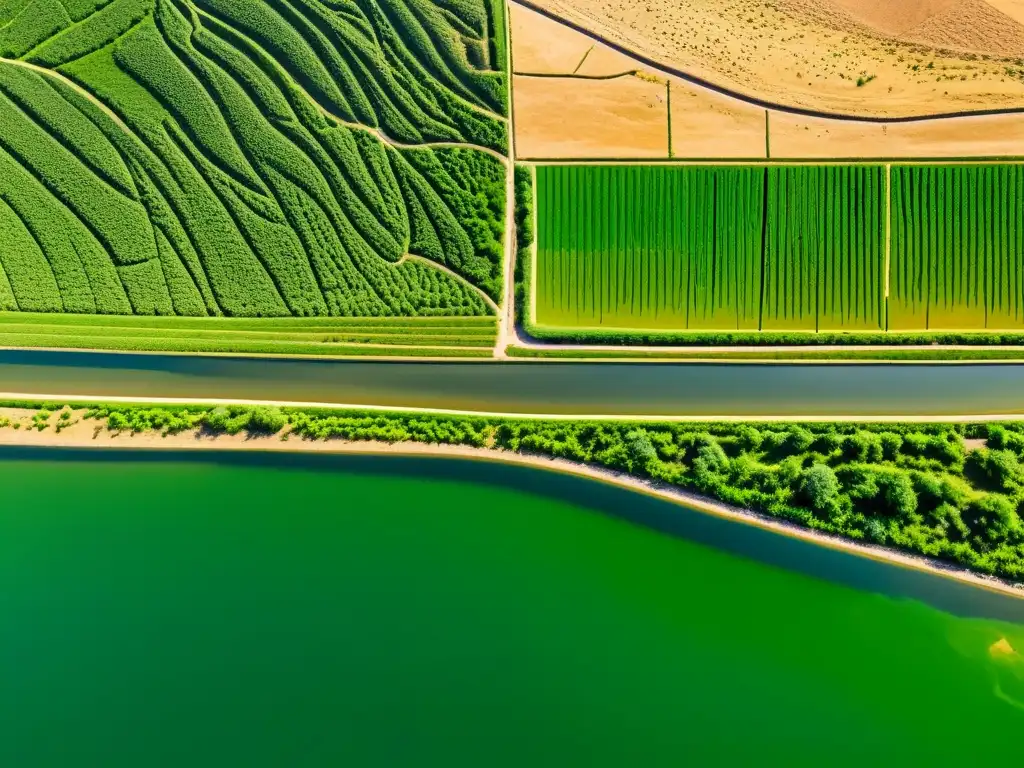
(321, 336)
(252, 157)
(957, 247)
(711, 248)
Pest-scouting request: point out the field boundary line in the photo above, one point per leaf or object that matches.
(756, 101)
(559, 76)
(775, 162)
(477, 358)
(507, 313)
(584, 59)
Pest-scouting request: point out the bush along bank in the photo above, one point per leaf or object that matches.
(953, 492)
(640, 339)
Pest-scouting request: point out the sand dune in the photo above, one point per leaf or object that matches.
(973, 26)
(563, 116)
(1012, 8)
(888, 17)
(856, 57)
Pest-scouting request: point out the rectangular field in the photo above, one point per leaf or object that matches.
(711, 247)
(957, 247)
(327, 337)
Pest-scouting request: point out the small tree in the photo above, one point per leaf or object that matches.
(266, 420)
(876, 531)
(799, 440)
(900, 497)
(992, 517)
(820, 487)
(640, 451)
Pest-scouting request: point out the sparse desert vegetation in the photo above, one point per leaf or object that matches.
(910, 59)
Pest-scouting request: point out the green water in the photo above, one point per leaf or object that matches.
(280, 612)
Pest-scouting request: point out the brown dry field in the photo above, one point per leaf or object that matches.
(570, 117)
(577, 118)
(923, 56)
(808, 138)
(705, 124)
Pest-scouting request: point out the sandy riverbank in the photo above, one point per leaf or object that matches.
(92, 434)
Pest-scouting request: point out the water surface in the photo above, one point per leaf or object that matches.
(535, 387)
(269, 611)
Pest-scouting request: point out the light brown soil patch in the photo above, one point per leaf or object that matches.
(707, 125)
(801, 137)
(568, 117)
(544, 46)
(812, 53)
(1012, 8)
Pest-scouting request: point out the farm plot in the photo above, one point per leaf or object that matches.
(824, 261)
(957, 247)
(252, 157)
(461, 337)
(710, 247)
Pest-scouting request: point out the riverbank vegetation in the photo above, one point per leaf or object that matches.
(640, 338)
(953, 492)
(525, 224)
(805, 355)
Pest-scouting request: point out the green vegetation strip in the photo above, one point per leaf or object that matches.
(772, 339)
(405, 337)
(947, 491)
(238, 346)
(247, 324)
(807, 355)
(385, 337)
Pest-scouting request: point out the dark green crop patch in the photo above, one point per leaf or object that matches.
(252, 158)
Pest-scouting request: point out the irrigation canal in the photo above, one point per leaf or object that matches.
(543, 387)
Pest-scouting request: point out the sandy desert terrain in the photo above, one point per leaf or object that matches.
(856, 57)
(564, 111)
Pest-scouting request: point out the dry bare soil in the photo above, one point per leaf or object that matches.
(861, 57)
(575, 98)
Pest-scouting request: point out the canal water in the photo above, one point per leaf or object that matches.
(535, 387)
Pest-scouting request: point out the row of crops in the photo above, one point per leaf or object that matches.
(251, 157)
(780, 247)
(458, 337)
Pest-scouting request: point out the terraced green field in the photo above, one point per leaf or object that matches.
(252, 158)
(711, 248)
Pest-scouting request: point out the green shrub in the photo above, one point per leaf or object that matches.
(820, 487)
